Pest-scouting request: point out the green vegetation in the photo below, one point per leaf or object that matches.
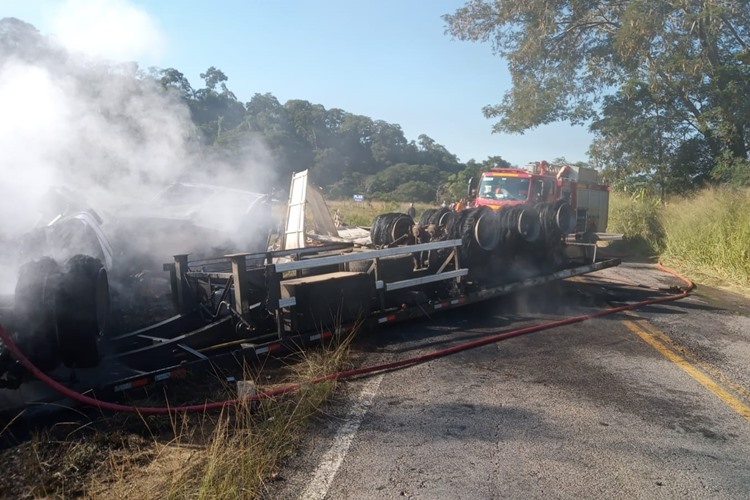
(664, 84)
(708, 236)
(638, 218)
(362, 213)
(705, 235)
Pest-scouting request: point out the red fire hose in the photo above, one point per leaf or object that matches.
(150, 410)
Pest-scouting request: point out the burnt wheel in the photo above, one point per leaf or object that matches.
(82, 310)
(34, 312)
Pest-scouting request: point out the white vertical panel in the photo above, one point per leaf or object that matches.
(294, 231)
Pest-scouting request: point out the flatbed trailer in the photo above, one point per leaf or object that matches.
(248, 305)
(344, 301)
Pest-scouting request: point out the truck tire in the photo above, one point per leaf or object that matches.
(442, 216)
(34, 311)
(389, 228)
(565, 216)
(82, 310)
(485, 228)
(424, 219)
(478, 230)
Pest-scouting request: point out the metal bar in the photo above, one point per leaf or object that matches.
(192, 351)
(296, 251)
(397, 285)
(538, 280)
(372, 254)
(214, 275)
(288, 302)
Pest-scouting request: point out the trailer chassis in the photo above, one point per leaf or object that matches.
(244, 306)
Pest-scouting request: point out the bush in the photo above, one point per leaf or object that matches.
(637, 217)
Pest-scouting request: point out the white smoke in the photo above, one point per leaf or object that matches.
(106, 131)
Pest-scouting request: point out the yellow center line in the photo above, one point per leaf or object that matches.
(732, 401)
(690, 356)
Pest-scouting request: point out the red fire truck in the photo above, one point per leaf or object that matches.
(544, 182)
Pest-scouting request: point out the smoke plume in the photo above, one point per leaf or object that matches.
(108, 133)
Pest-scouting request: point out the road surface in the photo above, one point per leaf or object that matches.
(653, 403)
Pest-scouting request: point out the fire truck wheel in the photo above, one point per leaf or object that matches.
(82, 310)
(34, 312)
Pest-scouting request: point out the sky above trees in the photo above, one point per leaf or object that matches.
(389, 60)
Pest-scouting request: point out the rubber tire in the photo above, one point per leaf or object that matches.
(486, 229)
(442, 216)
(82, 310)
(565, 217)
(34, 311)
(390, 227)
(424, 219)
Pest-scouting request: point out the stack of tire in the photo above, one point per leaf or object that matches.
(387, 230)
(390, 229)
(479, 232)
(519, 226)
(557, 220)
(436, 221)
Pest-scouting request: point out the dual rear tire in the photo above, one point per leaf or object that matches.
(61, 311)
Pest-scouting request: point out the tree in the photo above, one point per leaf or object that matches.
(214, 110)
(564, 56)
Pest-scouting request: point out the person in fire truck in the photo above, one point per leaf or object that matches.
(501, 193)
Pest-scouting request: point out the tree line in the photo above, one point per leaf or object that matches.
(664, 86)
(345, 153)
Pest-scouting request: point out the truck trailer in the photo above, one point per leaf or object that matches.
(247, 305)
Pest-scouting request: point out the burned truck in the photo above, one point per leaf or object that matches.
(84, 276)
(243, 305)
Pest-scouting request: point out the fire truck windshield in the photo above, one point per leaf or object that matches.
(504, 188)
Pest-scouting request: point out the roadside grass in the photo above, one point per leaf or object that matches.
(705, 235)
(708, 236)
(232, 454)
(638, 218)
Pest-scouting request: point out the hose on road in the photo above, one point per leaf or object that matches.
(497, 337)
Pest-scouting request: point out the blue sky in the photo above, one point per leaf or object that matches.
(389, 59)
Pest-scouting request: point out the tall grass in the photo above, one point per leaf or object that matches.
(708, 235)
(705, 235)
(638, 218)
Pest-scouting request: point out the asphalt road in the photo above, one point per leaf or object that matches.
(654, 403)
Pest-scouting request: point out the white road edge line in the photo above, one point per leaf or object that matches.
(334, 457)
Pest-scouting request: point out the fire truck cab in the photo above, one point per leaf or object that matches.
(543, 182)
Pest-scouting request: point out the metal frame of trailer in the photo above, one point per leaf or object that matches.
(186, 341)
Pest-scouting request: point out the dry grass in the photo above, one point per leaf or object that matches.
(707, 236)
(233, 454)
(362, 213)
